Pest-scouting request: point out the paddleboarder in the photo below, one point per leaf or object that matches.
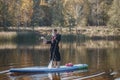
(54, 49)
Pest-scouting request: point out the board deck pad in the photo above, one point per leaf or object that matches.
(51, 70)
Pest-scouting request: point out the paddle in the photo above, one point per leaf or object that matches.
(51, 61)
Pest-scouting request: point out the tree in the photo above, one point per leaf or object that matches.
(26, 12)
(56, 8)
(4, 14)
(98, 12)
(114, 14)
(41, 15)
(59, 13)
(77, 10)
(37, 13)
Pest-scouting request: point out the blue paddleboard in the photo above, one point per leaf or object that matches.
(51, 70)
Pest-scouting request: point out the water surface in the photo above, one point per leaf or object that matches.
(102, 56)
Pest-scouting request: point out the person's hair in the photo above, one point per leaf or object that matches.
(55, 30)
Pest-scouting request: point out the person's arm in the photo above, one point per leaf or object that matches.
(45, 40)
(48, 42)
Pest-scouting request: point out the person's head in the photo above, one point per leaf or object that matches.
(54, 32)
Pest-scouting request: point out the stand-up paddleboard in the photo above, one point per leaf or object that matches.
(51, 70)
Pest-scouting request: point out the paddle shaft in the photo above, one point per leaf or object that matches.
(52, 55)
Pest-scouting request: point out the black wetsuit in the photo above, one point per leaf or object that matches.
(54, 49)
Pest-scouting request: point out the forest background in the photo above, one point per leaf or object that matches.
(64, 13)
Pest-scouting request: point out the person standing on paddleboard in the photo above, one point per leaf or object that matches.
(54, 49)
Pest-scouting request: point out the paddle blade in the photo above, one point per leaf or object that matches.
(50, 65)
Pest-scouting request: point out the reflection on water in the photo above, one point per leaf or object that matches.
(101, 56)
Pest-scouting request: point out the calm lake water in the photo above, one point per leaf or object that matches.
(102, 57)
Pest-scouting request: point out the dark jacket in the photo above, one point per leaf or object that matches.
(54, 49)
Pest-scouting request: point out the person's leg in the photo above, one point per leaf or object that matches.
(58, 64)
(58, 59)
(54, 64)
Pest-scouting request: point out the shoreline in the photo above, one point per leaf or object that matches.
(89, 32)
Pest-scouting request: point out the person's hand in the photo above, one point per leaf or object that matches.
(42, 37)
(44, 40)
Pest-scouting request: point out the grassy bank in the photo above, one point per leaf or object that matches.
(88, 31)
(30, 36)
